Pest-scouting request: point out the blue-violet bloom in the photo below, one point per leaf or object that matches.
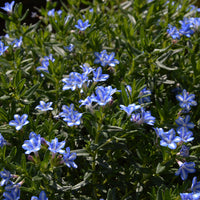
(18, 121)
(184, 169)
(185, 134)
(82, 25)
(130, 108)
(184, 123)
(33, 144)
(55, 146)
(98, 76)
(44, 106)
(8, 7)
(186, 100)
(69, 158)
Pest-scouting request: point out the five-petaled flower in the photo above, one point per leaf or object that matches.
(195, 185)
(55, 146)
(130, 108)
(184, 123)
(169, 139)
(69, 158)
(8, 7)
(18, 121)
(33, 144)
(184, 169)
(2, 48)
(186, 100)
(82, 25)
(44, 106)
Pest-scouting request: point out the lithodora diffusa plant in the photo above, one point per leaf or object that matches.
(100, 100)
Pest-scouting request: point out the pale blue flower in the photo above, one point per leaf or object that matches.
(5, 175)
(8, 7)
(173, 32)
(33, 144)
(44, 106)
(143, 117)
(130, 108)
(169, 139)
(69, 158)
(184, 169)
(185, 134)
(103, 95)
(184, 123)
(98, 76)
(17, 43)
(190, 196)
(82, 25)
(55, 146)
(19, 121)
(70, 48)
(186, 100)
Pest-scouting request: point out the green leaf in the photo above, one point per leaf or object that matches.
(161, 65)
(30, 91)
(160, 168)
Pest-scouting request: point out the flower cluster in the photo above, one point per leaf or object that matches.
(188, 27)
(12, 191)
(34, 145)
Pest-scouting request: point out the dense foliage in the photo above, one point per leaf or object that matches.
(100, 100)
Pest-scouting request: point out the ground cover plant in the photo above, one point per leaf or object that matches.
(100, 100)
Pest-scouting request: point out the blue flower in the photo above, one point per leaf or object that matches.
(130, 108)
(45, 64)
(184, 123)
(185, 134)
(86, 69)
(42, 196)
(12, 191)
(2, 48)
(184, 169)
(190, 196)
(184, 151)
(173, 32)
(17, 43)
(73, 118)
(143, 117)
(2, 141)
(185, 28)
(144, 92)
(103, 95)
(195, 185)
(18, 121)
(159, 131)
(186, 100)
(69, 158)
(5, 175)
(55, 146)
(82, 25)
(87, 102)
(8, 7)
(169, 139)
(33, 144)
(51, 12)
(110, 60)
(44, 106)
(70, 48)
(74, 80)
(104, 59)
(70, 116)
(98, 76)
